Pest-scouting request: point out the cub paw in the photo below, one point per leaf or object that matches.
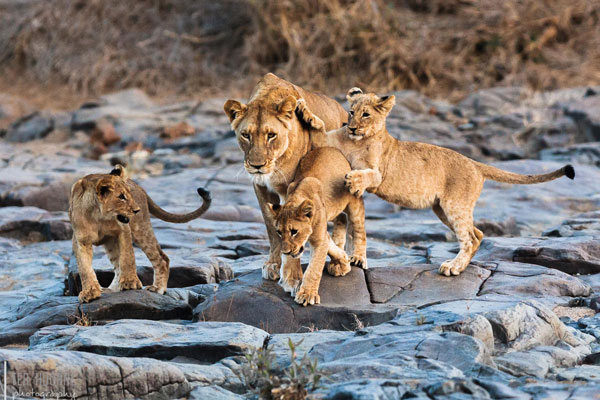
(359, 261)
(290, 285)
(270, 271)
(339, 267)
(89, 294)
(156, 289)
(451, 267)
(307, 296)
(355, 183)
(130, 284)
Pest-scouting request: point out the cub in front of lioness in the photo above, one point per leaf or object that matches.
(114, 211)
(418, 175)
(316, 196)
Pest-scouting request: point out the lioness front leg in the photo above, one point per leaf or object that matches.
(90, 288)
(357, 181)
(356, 214)
(340, 263)
(270, 269)
(309, 290)
(291, 275)
(128, 279)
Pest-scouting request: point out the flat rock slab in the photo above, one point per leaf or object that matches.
(580, 254)
(345, 304)
(63, 310)
(90, 376)
(202, 341)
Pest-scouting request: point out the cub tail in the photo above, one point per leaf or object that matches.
(180, 218)
(499, 175)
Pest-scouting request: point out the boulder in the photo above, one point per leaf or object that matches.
(31, 224)
(30, 127)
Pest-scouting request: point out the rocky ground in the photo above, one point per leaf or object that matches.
(520, 323)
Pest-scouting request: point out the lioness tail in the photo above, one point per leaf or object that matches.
(499, 175)
(180, 218)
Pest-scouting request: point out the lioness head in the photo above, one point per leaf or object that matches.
(294, 225)
(262, 128)
(367, 113)
(115, 198)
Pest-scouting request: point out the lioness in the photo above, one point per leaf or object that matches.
(417, 175)
(274, 137)
(112, 210)
(316, 196)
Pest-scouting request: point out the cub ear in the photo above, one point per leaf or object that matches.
(286, 108)
(274, 209)
(352, 93)
(103, 188)
(385, 104)
(119, 170)
(234, 109)
(306, 209)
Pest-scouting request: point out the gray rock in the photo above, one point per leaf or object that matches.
(33, 126)
(213, 393)
(368, 389)
(582, 153)
(264, 304)
(82, 375)
(202, 341)
(586, 373)
(30, 224)
(525, 363)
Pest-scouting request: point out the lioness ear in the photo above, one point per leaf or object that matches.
(385, 104)
(103, 188)
(352, 93)
(306, 209)
(274, 209)
(234, 109)
(119, 170)
(286, 108)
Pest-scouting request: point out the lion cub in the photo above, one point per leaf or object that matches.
(417, 175)
(317, 196)
(114, 211)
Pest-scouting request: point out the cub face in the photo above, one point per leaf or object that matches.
(115, 199)
(262, 131)
(294, 226)
(367, 113)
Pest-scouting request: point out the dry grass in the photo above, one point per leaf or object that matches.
(441, 48)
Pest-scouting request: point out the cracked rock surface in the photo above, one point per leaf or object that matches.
(519, 323)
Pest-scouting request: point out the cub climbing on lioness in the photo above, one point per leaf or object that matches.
(417, 175)
(317, 196)
(114, 211)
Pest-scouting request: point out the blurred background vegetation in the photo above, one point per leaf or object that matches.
(442, 48)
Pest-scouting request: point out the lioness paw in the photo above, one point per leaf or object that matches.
(359, 261)
(355, 183)
(451, 267)
(156, 289)
(270, 271)
(307, 296)
(339, 267)
(130, 284)
(89, 294)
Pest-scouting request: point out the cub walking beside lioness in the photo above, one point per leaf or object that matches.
(317, 196)
(114, 211)
(417, 175)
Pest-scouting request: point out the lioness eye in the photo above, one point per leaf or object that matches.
(245, 135)
(294, 232)
(365, 114)
(271, 136)
(122, 196)
(278, 232)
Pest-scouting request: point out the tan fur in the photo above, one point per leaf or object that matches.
(95, 205)
(418, 175)
(316, 196)
(274, 136)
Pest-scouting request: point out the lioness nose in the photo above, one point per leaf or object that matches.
(258, 166)
(352, 130)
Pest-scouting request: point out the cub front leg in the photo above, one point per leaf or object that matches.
(90, 288)
(309, 290)
(270, 269)
(356, 215)
(128, 279)
(340, 263)
(291, 275)
(357, 181)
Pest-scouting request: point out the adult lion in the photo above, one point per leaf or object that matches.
(274, 137)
